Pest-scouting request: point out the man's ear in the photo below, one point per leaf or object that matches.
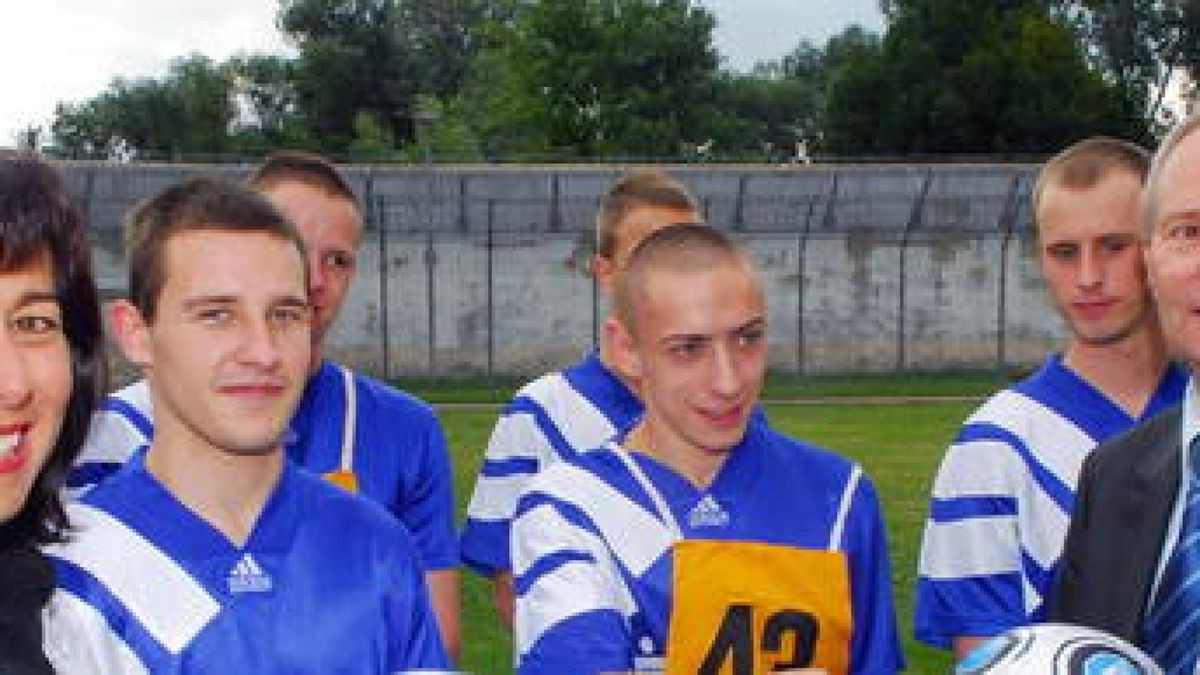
(623, 348)
(131, 332)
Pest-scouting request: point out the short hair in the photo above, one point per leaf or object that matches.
(37, 217)
(301, 167)
(640, 187)
(1154, 179)
(195, 205)
(1084, 164)
(675, 248)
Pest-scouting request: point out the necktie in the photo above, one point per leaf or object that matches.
(1172, 630)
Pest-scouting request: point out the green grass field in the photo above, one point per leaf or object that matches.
(899, 445)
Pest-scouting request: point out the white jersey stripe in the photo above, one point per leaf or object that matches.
(634, 535)
(76, 640)
(173, 619)
(839, 525)
(1040, 427)
(941, 555)
(575, 417)
(576, 580)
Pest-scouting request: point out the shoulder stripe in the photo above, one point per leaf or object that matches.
(636, 537)
(1058, 491)
(90, 473)
(125, 409)
(839, 523)
(541, 418)
(558, 405)
(135, 571)
(548, 565)
(963, 508)
(568, 587)
(512, 466)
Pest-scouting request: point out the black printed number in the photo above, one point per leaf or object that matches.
(734, 640)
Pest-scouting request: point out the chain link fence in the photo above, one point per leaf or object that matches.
(470, 272)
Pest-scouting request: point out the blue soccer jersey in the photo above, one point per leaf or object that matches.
(1003, 498)
(554, 417)
(325, 583)
(390, 443)
(593, 548)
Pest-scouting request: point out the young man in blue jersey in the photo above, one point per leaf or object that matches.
(1005, 491)
(634, 556)
(566, 412)
(209, 551)
(360, 433)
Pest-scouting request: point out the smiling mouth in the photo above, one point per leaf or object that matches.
(11, 444)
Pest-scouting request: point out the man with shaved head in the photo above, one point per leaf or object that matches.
(631, 556)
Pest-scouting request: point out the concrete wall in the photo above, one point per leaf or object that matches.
(477, 270)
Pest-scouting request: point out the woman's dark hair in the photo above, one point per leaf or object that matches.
(37, 217)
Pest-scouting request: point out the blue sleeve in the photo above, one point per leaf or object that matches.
(520, 442)
(939, 613)
(875, 645)
(414, 641)
(428, 508)
(568, 617)
(595, 642)
(970, 579)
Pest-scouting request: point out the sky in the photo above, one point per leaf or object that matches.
(70, 50)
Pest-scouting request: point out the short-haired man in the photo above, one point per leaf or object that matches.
(1005, 491)
(210, 551)
(1131, 549)
(640, 549)
(360, 433)
(566, 412)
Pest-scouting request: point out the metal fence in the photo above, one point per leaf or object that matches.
(882, 270)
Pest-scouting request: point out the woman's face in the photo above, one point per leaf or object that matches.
(35, 378)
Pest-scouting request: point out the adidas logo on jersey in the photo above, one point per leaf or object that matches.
(708, 513)
(247, 577)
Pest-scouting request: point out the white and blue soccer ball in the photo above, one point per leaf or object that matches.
(1056, 649)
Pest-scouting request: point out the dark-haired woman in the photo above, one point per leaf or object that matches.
(51, 367)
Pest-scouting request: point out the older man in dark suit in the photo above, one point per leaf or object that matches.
(1132, 560)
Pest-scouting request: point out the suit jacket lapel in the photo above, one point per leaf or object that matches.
(1147, 499)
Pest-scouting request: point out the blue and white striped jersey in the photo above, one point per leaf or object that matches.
(551, 418)
(390, 441)
(326, 582)
(1003, 498)
(592, 552)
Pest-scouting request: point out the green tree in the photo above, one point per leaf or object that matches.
(595, 78)
(353, 59)
(445, 36)
(984, 77)
(1139, 44)
(265, 91)
(189, 111)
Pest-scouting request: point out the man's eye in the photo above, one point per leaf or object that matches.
(290, 316)
(1187, 230)
(750, 337)
(1062, 252)
(37, 324)
(339, 260)
(688, 348)
(215, 315)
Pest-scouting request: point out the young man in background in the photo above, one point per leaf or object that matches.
(566, 412)
(1005, 491)
(358, 432)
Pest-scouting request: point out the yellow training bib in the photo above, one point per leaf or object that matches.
(744, 608)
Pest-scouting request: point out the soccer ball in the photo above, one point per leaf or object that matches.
(1056, 649)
